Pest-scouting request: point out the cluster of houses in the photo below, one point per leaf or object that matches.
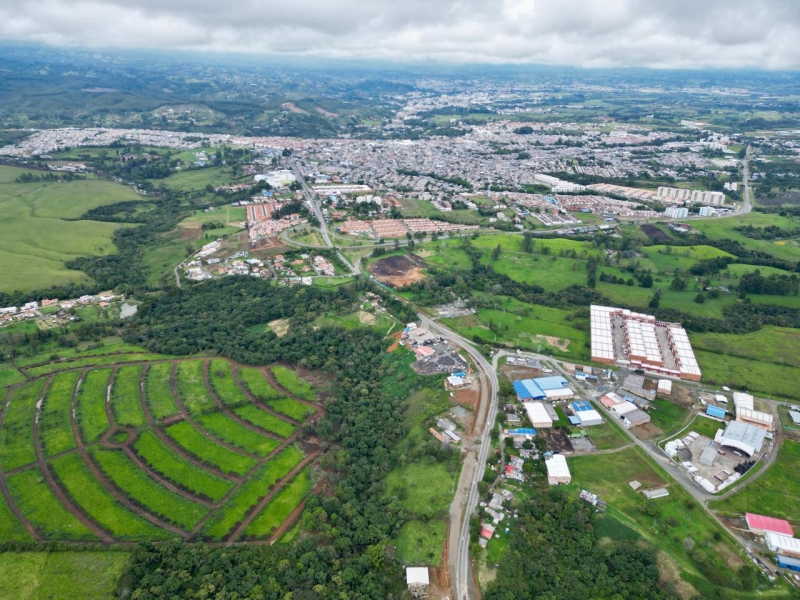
(448, 434)
(494, 515)
(31, 310)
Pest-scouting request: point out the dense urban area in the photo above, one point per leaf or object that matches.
(505, 335)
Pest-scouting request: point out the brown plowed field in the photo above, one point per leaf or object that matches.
(398, 271)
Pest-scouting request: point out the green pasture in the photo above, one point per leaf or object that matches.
(667, 416)
(90, 407)
(209, 451)
(36, 241)
(55, 426)
(258, 385)
(16, 435)
(39, 505)
(158, 391)
(9, 375)
(280, 507)
(421, 542)
(293, 383)
(261, 418)
(99, 504)
(61, 575)
(160, 457)
(763, 378)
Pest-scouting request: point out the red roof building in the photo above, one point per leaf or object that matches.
(760, 524)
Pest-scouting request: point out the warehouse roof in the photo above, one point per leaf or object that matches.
(742, 400)
(624, 408)
(769, 524)
(777, 542)
(551, 383)
(557, 466)
(755, 416)
(795, 416)
(637, 416)
(589, 416)
(537, 413)
(747, 438)
(715, 411)
(580, 405)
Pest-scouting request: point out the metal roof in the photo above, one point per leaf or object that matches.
(580, 405)
(769, 524)
(747, 438)
(417, 576)
(715, 411)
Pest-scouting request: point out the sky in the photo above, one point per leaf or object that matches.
(760, 34)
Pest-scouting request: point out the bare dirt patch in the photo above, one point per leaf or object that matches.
(398, 271)
(556, 439)
(292, 107)
(191, 232)
(366, 318)
(279, 326)
(682, 396)
(396, 344)
(560, 343)
(646, 431)
(325, 113)
(515, 372)
(654, 233)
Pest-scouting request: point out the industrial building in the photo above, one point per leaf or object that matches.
(760, 525)
(585, 414)
(543, 388)
(664, 387)
(635, 417)
(557, 470)
(742, 436)
(785, 562)
(636, 340)
(755, 417)
(623, 408)
(538, 415)
(782, 544)
(715, 411)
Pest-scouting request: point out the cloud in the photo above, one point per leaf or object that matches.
(651, 33)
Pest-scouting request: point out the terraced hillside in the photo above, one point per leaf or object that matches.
(192, 448)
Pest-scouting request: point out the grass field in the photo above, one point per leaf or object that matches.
(290, 407)
(226, 429)
(159, 392)
(146, 492)
(421, 543)
(747, 374)
(427, 488)
(159, 457)
(209, 451)
(60, 575)
(611, 528)
(667, 416)
(36, 241)
(221, 377)
(769, 496)
(9, 375)
(607, 436)
(191, 389)
(16, 435)
(258, 385)
(675, 524)
(10, 527)
(292, 383)
(125, 402)
(39, 505)
(280, 507)
(264, 420)
(90, 408)
(248, 495)
(99, 504)
(55, 428)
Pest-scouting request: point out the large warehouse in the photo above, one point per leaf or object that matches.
(543, 388)
(557, 470)
(747, 438)
(760, 525)
(640, 341)
(538, 415)
(783, 544)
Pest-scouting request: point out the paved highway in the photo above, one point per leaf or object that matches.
(466, 498)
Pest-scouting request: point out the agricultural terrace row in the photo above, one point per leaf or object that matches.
(196, 449)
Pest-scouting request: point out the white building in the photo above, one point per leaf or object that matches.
(418, 580)
(782, 544)
(707, 211)
(538, 415)
(557, 470)
(677, 212)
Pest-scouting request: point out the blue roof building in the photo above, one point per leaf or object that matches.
(550, 383)
(787, 562)
(536, 389)
(580, 405)
(715, 411)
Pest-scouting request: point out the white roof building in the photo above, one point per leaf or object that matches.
(664, 386)
(538, 415)
(589, 417)
(557, 470)
(782, 544)
(623, 408)
(757, 418)
(742, 400)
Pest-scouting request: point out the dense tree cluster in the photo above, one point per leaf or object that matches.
(779, 285)
(345, 555)
(554, 554)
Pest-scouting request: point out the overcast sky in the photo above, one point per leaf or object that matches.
(588, 33)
